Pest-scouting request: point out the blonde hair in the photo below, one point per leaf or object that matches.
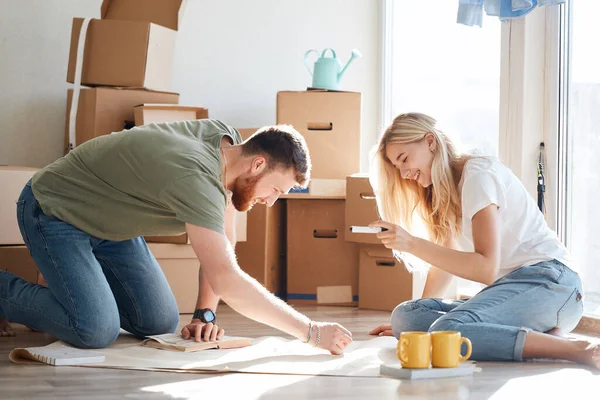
(400, 200)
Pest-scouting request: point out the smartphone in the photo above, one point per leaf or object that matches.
(366, 229)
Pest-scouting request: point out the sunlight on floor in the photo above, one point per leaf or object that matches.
(561, 384)
(250, 386)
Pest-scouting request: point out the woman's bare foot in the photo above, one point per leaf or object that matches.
(5, 329)
(557, 332)
(587, 353)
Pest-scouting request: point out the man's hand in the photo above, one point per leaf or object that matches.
(382, 330)
(199, 331)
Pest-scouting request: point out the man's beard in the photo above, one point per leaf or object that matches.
(243, 191)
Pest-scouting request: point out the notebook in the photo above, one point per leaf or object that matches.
(396, 371)
(174, 341)
(55, 355)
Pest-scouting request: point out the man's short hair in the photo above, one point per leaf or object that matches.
(283, 147)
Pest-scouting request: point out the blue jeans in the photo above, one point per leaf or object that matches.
(95, 286)
(539, 297)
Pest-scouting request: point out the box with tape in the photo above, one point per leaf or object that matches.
(322, 268)
(104, 110)
(133, 45)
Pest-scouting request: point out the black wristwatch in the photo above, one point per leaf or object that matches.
(205, 315)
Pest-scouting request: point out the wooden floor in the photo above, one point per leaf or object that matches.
(514, 381)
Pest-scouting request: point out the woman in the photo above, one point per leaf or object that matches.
(532, 295)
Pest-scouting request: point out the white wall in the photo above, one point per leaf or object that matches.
(232, 57)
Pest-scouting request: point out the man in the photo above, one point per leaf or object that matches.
(83, 218)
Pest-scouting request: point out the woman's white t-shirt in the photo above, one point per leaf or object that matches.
(525, 236)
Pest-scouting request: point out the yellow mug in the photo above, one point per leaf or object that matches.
(414, 349)
(446, 349)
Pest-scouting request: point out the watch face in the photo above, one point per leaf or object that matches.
(208, 315)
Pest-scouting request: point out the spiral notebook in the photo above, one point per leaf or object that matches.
(56, 355)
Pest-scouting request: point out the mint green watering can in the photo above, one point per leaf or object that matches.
(327, 70)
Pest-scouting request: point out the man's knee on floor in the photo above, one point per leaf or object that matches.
(97, 334)
(158, 322)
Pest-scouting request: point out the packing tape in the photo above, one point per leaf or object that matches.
(77, 84)
(334, 294)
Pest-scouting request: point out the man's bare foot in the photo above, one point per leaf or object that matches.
(5, 329)
(587, 353)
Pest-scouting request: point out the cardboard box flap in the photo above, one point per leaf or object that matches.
(167, 13)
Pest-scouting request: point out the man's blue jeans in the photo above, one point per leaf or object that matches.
(95, 286)
(538, 297)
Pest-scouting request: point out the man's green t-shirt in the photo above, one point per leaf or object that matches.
(149, 180)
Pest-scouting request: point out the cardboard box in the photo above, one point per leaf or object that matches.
(124, 54)
(384, 282)
(322, 268)
(12, 182)
(18, 261)
(103, 110)
(148, 113)
(181, 267)
(167, 13)
(361, 208)
(262, 256)
(330, 123)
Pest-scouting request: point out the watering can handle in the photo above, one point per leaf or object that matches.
(306, 60)
(332, 53)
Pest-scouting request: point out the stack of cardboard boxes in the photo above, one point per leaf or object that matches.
(299, 249)
(384, 282)
(126, 66)
(126, 60)
(322, 267)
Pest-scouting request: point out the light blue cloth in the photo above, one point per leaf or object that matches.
(470, 12)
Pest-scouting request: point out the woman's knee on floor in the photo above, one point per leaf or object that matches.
(407, 317)
(446, 324)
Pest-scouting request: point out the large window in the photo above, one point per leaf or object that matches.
(580, 144)
(447, 70)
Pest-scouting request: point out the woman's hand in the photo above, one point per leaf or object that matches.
(395, 237)
(382, 330)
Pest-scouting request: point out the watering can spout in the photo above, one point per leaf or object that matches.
(355, 54)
